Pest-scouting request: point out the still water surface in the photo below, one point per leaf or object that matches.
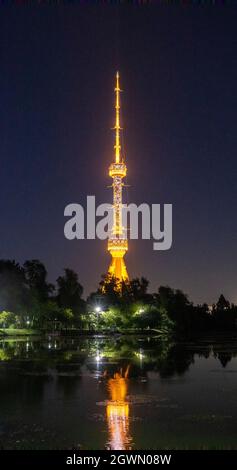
(118, 393)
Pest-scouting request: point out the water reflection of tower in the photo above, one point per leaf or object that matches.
(117, 411)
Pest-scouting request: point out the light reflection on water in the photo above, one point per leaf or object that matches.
(117, 411)
(118, 393)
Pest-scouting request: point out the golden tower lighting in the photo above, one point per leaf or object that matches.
(117, 243)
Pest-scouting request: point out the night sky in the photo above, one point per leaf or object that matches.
(178, 71)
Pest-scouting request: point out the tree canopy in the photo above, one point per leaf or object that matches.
(27, 298)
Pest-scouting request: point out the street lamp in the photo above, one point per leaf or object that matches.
(98, 310)
(98, 357)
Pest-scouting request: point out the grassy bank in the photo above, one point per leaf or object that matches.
(18, 332)
(73, 332)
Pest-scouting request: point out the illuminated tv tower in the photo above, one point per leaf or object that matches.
(117, 243)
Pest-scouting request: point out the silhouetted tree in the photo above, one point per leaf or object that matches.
(222, 303)
(70, 293)
(14, 291)
(224, 315)
(36, 275)
(109, 290)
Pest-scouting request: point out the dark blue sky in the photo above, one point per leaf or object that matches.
(179, 75)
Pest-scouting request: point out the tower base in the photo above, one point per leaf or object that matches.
(118, 269)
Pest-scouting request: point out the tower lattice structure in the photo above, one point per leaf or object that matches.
(117, 242)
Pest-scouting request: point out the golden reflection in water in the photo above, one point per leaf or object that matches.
(117, 412)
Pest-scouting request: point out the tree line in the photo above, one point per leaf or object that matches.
(28, 300)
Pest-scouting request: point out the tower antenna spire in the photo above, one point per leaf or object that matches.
(117, 121)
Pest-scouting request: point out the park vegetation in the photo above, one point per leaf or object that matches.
(28, 302)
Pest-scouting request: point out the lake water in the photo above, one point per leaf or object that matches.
(118, 393)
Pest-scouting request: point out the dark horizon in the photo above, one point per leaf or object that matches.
(178, 72)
